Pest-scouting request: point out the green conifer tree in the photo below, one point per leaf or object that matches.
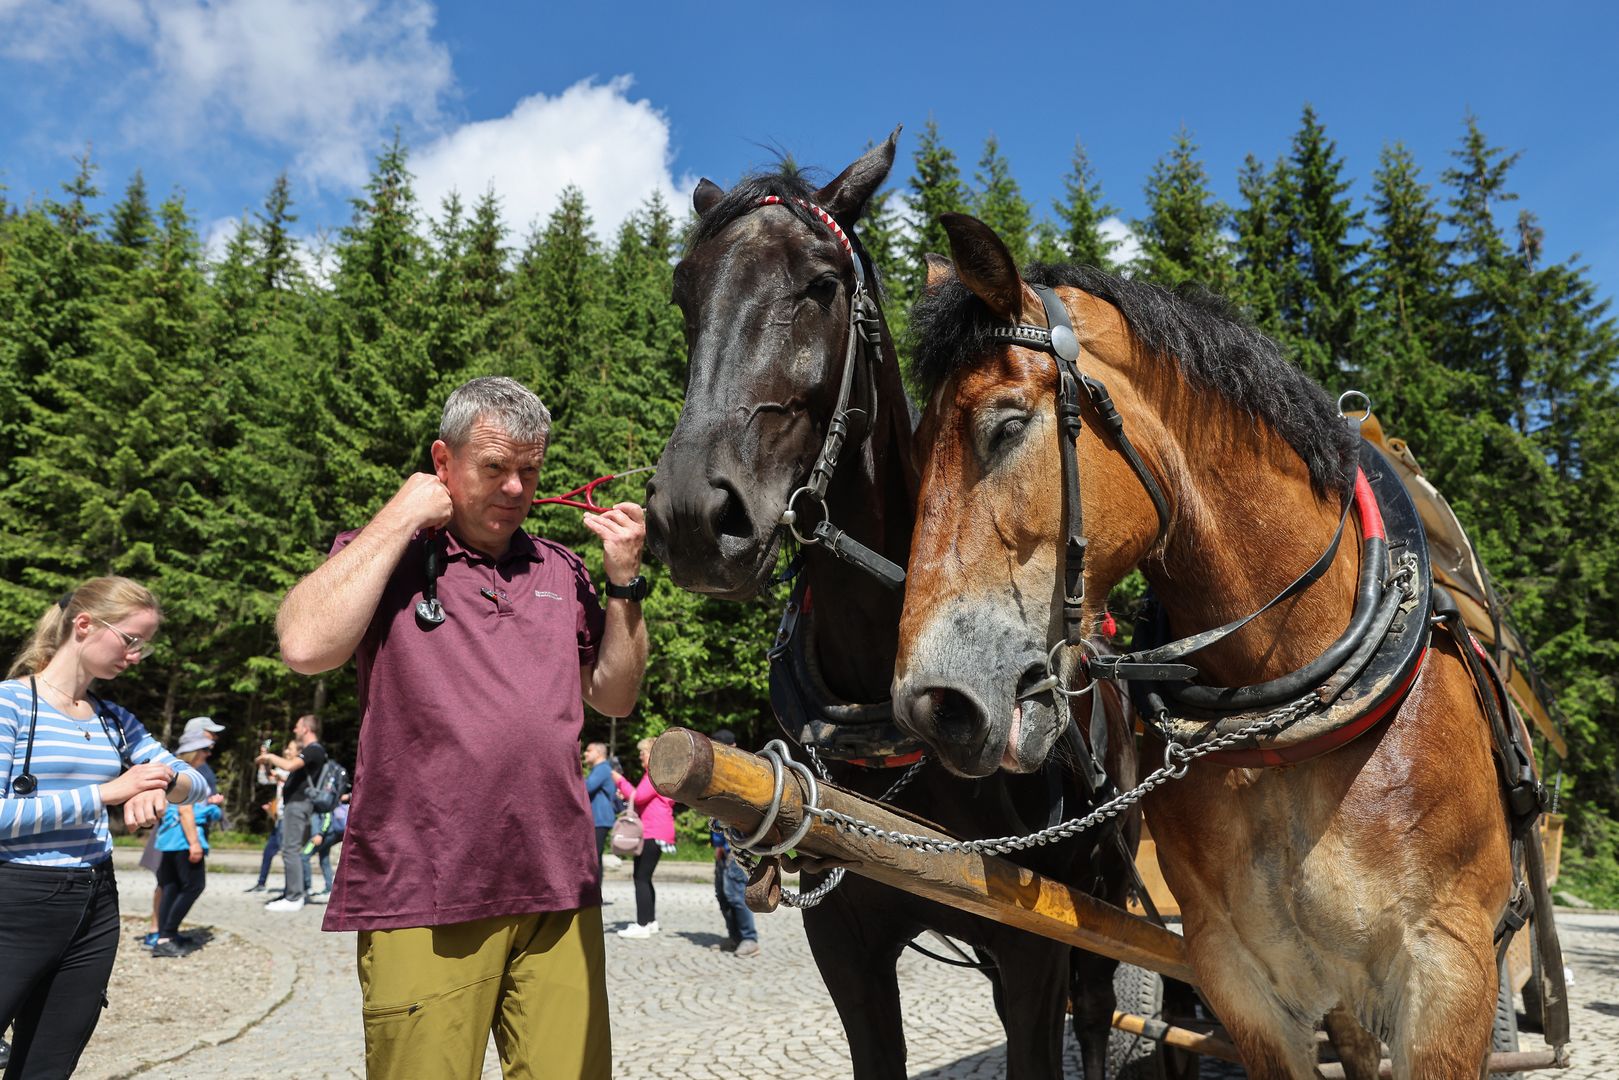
(999, 203)
(1081, 212)
(1180, 236)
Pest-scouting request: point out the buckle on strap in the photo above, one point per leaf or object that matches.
(1126, 667)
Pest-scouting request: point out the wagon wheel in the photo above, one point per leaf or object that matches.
(1505, 1036)
(1135, 1057)
(1534, 1001)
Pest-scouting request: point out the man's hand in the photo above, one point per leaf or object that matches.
(216, 799)
(315, 840)
(145, 809)
(422, 502)
(195, 854)
(623, 531)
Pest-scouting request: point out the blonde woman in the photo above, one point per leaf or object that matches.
(65, 757)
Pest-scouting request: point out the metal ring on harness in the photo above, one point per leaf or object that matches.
(1055, 680)
(780, 758)
(789, 516)
(1349, 396)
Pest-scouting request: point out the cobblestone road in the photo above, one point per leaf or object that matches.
(681, 1010)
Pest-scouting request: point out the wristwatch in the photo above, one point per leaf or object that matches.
(635, 589)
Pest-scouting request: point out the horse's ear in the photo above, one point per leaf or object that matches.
(707, 194)
(940, 272)
(846, 196)
(984, 264)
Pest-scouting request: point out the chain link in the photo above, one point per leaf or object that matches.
(1176, 760)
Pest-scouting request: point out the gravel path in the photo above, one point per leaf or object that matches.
(273, 997)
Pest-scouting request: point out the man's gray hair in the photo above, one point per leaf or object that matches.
(503, 402)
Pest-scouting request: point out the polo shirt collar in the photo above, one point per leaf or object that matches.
(522, 549)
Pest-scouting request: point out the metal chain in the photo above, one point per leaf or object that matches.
(1176, 760)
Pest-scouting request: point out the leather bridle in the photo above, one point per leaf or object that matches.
(862, 350)
(1374, 599)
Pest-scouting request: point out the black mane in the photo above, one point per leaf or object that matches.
(789, 185)
(1216, 349)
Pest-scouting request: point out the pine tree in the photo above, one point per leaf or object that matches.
(1082, 211)
(1260, 247)
(1180, 236)
(936, 188)
(999, 203)
(278, 249)
(132, 227)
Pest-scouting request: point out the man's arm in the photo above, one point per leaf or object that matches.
(612, 684)
(290, 764)
(323, 618)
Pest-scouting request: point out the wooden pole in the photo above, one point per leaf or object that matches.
(736, 787)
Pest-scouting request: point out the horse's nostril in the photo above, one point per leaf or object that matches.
(952, 716)
(733, 517)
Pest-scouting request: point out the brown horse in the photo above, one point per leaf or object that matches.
(1364, 883)
(774, 286)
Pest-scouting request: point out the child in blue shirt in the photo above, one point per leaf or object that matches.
(182, 840)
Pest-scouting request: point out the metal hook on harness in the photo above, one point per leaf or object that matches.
(1350, 396)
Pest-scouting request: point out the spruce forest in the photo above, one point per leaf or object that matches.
(206, 425)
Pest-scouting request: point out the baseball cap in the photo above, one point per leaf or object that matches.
(188, 743)
(199, 724)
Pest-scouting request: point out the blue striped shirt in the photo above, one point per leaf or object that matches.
(63, 823)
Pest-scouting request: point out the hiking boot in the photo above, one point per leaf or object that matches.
(748, 947)
(168, 948)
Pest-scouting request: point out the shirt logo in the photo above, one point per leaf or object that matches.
(543, 595)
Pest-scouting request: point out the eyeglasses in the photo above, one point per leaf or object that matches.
(132, 644)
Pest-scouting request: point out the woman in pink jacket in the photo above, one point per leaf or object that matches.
(657, 815)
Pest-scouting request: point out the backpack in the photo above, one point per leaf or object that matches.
(626, 834)
(330, 786)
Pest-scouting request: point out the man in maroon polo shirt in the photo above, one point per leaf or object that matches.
(469, 866)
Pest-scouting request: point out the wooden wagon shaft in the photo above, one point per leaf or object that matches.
(1197, 1042)
(736, 787)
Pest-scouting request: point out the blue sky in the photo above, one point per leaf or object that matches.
(217, 98)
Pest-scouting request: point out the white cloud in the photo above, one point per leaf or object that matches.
(325, 78)
(592, 135)
(321, 78)
(1128, 249)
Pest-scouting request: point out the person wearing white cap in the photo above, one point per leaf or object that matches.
(182, 841)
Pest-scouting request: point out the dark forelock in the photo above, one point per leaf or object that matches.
(1215, 348)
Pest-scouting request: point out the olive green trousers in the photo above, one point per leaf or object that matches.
(433, 994)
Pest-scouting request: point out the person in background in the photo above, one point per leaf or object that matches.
(198, 727)
(328, 833)
(601, 789)
(731, 883)
(66, 755)
(297, 810)
(657, 813)
(272, 810)
(183, 840)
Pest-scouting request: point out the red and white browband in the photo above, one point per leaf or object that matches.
(826, 219)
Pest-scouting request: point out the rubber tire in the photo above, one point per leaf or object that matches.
(1505, 1036)
(1534, 1002)
(1133, 1057)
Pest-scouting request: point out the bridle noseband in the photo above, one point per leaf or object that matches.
(865, 340)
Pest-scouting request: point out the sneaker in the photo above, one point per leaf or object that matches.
(150, 939)
(748, 947)
(285, 905)
(639, 930)
(255, 888)
(168, 948)
(611, 861)
(318, 897)
(725, 946)
(273, 897)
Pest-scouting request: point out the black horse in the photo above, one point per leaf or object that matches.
(774, 287)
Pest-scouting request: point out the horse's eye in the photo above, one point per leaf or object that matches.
(823, 289)
(1007, 432)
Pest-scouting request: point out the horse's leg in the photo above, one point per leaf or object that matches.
(1447, 1014)
(1358, 1049)
(1275, 1042)
(856, 944)
(1091, 991)
(1033, 993)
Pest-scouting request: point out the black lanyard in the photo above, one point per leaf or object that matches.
(26, 783)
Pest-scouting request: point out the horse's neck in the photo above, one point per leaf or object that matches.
(1247, 523)
(872, 496)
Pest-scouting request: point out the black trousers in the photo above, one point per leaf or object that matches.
(646, 898)
(58, 937)
(182, 881)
